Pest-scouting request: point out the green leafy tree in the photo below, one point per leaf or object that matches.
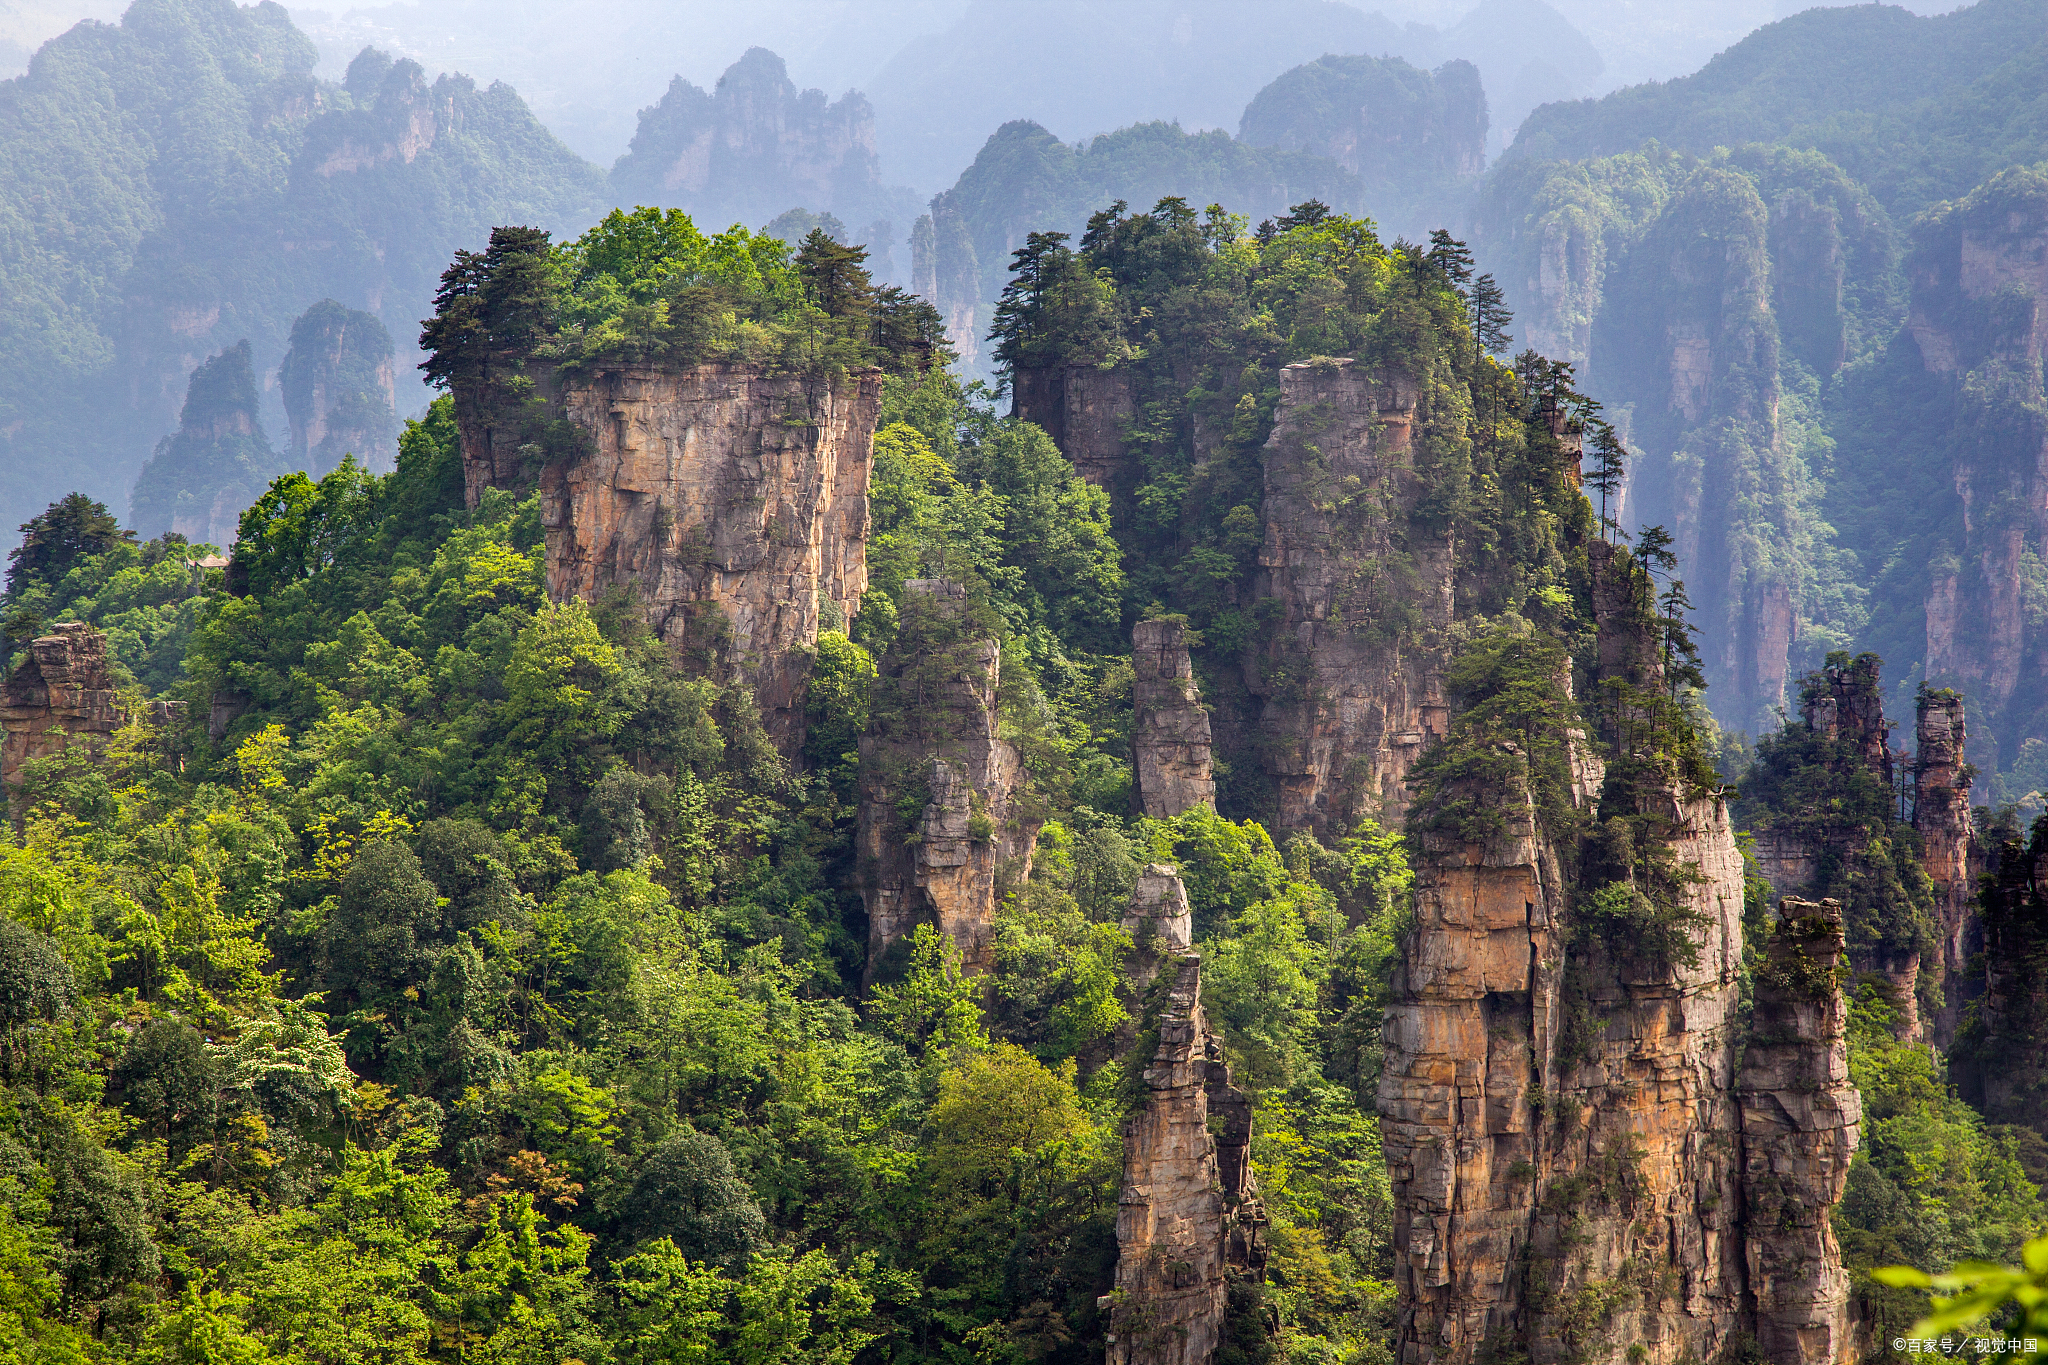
(71, 529)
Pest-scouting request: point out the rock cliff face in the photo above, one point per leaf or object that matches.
(1979, 318)
(2000, 1062)
(214, 465)
(752, 147)
(1560, 1127)
(733, 504)
(337, 384)
(1350, 695)
(1801, 1119)
(1189, 1211)
(1843, 706)
(61, 692)
(1170, 744)
(1941, 813)
(945, 818)
(1085, 410)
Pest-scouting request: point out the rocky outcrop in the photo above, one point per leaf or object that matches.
(945, 819)
(731, 503)
(2000, 1059)
(1085, 409)
(61, 693)
(752, 147)
(1801, 1119)
(1351, 681)
(1979, 318)
(1941, 813)
(1170, 744)
(337, 385)
(1558, 1117)
(214, 465)
(1842, 709)
(1189, 1211)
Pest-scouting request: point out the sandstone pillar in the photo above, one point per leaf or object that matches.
(1800, 1123)
(63, 690)
(944, 817)
(1189, 1211)
(1170, 745)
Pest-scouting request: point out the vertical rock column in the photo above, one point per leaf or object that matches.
(1189, 1209)
(1941, 812)
(1170, 744)
(933, 747)
(62, 690)
(732, 503)
(1350, 680)
(1801, 1119)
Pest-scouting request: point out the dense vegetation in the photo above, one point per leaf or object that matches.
(180, 182)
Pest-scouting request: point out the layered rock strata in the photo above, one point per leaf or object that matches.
(945, 819)
(1559, 1121)
(731, 503)
(63, 691)
(1941, 813)
(1350, 685)
(1189, 1212)
(1801, 1119)
(1170, 741)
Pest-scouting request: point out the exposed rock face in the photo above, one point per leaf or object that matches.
(1941, 812)
(2001, 1062)
(934, 735)
(1979, 316)
(62, 691)
(214, 465)
(752, 147)
(1085, 410)
(1170, 744)
(1846, 705)
(1189, 1211)
(1350, 695)
(732, 503)
(1800, 1123)
(1537, 1169)
(337, 384)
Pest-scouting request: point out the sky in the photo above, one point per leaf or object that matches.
(587, 69)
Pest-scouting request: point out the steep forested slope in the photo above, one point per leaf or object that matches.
(180, 183)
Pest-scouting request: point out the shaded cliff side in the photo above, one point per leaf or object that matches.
(2001, 1056)
(946, 821)
(214, 465)
(337, 385)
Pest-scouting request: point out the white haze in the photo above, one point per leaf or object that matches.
(943, 73)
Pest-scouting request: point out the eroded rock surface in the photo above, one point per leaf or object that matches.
(1189, 1210)
(1085, 410)
(1558, 1128)
(733, 504)
(944, 817)
(1801, 1119)
(1352, 683)
(62, 691)
(1170, 741)
(1941, 812)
